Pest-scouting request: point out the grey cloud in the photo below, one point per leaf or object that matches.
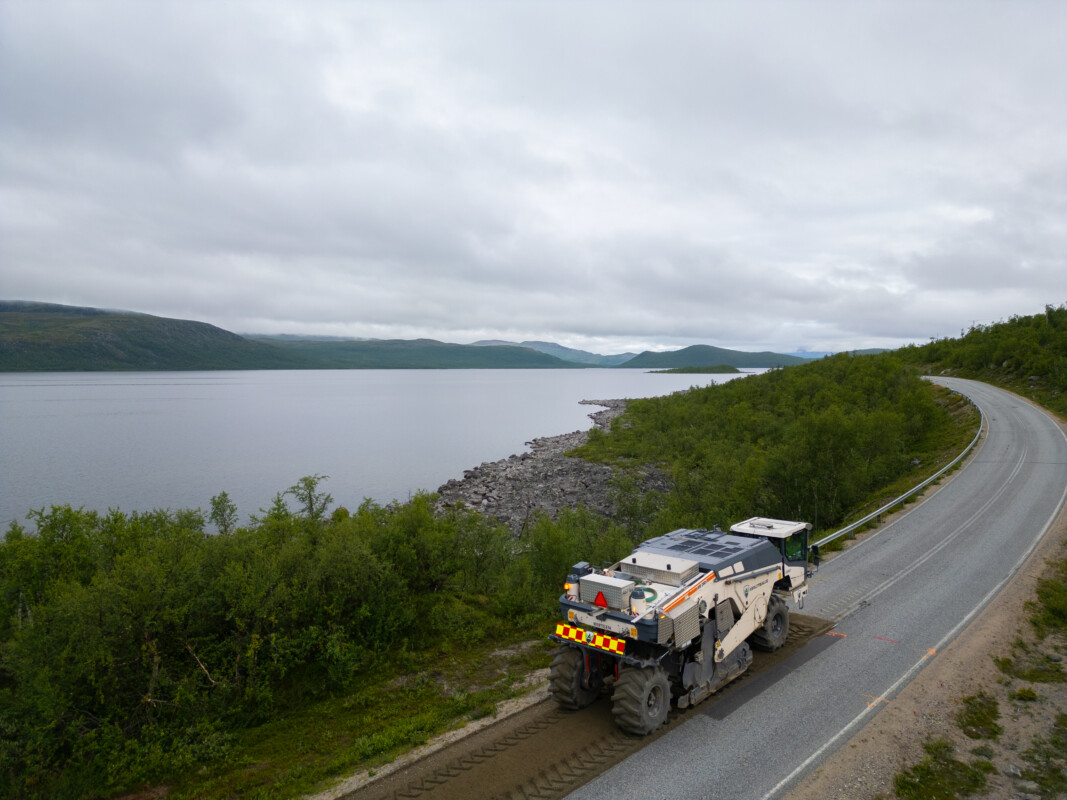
(774, 176)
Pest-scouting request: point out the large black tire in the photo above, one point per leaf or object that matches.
(569, 684)
(642, 699)
(775, 629)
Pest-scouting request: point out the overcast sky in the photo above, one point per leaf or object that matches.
(609, 175)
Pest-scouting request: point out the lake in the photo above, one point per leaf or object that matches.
(147, 440)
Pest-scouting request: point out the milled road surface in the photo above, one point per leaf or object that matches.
(899, 597)
(544, 752)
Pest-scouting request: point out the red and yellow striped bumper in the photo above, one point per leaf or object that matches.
(592, 638)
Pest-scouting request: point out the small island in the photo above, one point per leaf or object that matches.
(720, 369)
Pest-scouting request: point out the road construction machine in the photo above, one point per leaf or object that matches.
(677, 618)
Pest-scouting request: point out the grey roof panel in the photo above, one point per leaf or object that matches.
(714, 550)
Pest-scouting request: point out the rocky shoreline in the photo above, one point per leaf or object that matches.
(543, 479)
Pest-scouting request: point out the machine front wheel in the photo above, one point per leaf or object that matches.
(775, 629)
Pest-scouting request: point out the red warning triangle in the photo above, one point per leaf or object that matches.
(600, 600)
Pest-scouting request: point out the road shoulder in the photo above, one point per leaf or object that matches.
(865, 766)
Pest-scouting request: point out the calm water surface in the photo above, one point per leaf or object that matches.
(140, 441)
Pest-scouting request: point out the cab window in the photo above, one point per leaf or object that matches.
(796, 546)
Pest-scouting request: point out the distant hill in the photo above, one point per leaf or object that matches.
(564, 353)
(43, 337)
(810, 355)
(36, 337)
(419, 354)
(695, 356)
(702, 355)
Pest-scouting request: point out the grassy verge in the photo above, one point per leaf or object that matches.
(1045, 760)
(1026, 740)
(391, 712)
(941, 776)
(1040, 391)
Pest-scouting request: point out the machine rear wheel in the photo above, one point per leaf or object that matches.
(775, 628)
(570, 683)
(642, 699)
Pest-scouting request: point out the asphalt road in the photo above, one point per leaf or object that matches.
(899, 597)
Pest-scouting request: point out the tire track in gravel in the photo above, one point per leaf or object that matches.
(544, 752)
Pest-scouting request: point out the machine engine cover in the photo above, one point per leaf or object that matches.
(616, 590)
(659, 568)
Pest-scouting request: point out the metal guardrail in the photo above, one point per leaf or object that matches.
(860, 523)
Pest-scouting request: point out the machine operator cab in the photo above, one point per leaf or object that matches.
(791, 540)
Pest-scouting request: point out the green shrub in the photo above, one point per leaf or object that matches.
(1049, 612)
(940, 776)
(806, 442)
(979, 715)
